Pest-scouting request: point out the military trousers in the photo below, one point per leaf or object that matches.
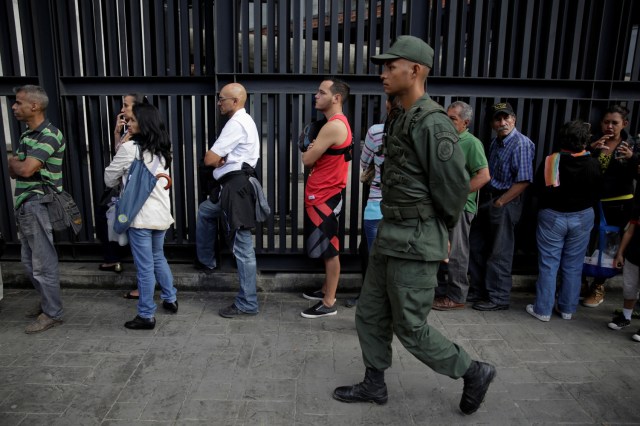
(396, 297)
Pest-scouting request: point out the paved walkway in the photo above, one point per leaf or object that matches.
(279, 369)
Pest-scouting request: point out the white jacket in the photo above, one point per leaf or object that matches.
(156, 211)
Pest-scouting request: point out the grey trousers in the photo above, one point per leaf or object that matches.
(455, 283)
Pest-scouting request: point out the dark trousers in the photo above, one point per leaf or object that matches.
(492, 245)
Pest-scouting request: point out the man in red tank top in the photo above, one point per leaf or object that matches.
(323, 192)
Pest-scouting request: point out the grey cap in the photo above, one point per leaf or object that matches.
(407, 47)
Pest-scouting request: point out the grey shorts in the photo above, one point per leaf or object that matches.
(630, 283)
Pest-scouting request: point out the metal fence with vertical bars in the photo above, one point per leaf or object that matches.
(554, 61)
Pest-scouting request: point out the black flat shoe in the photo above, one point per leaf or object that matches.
(116, 267)
(489, 306)
(170, 306)
(129, 295)
(139, 323)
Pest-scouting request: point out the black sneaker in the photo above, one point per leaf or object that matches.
(199, 266)
(232, 311)
(313, 295)
(319, 310)
(619, 322)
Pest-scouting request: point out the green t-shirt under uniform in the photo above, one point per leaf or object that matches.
(475, 160)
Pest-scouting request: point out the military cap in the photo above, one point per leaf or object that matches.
(408, 47)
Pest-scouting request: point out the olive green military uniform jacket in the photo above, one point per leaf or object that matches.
(424, 183)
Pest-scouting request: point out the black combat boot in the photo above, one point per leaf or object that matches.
(476, 383)
(372, 389)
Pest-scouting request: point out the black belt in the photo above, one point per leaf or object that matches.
(493, 191)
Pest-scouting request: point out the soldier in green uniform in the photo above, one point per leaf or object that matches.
(424, 189)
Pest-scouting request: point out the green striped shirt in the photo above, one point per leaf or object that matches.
(46, 144)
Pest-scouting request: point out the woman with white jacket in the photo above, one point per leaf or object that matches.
(149, 141)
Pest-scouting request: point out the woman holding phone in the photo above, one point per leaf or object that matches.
(110, 249)
(619, 166)
(149, 142)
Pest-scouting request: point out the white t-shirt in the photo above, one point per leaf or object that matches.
(239, 143)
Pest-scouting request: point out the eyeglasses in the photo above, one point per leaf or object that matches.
(220, 99)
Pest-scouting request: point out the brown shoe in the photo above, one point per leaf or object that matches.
(42, 323)
(596, 298)
(446, 304)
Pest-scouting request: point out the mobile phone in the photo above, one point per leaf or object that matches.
(618, 154)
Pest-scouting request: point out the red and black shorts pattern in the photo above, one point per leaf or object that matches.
(321, 228)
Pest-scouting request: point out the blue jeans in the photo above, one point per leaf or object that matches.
(207, 234)
(370, 231)
(492, 244)
(562, 242)
(148, 255)
(39, 255)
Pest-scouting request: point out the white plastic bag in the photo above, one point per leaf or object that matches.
(121, 239)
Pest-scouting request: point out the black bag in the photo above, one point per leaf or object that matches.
(309, 133)
(64, 214)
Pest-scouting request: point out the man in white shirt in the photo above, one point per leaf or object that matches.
(233, 155)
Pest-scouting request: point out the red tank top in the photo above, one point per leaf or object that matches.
(329, 174)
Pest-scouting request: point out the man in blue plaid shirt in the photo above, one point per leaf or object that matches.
(491, 239)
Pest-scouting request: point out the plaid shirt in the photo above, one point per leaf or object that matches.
(511, 160)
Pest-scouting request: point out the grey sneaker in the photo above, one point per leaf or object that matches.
(42, 323)
(34, 311)
(319, 310)
(313, 295)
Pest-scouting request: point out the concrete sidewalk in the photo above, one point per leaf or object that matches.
(278, 368)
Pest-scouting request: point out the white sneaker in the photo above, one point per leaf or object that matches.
(531, 312)
(562, 314)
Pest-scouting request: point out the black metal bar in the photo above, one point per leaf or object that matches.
(198, 29)
(334, 39)
(184, 38)
(46, 57)
(271, 42)
(246, 34)
(284, 153)
(449, 45)
(346, 37)
(359, 66)
(257, 37)
(156, 48)
(29, 37)
(170, 32)
(321, 36)
(133, 43)
(284, 36)
(356, 120)
(418, 16)
(9, 41)
(88, 39)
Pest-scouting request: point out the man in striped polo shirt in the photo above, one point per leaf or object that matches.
(37, 162)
